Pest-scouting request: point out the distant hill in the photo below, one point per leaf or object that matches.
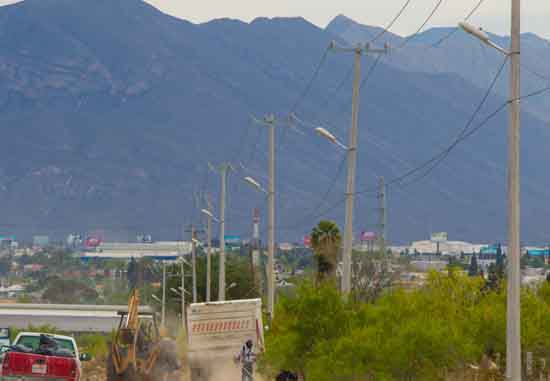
(452, 51)
(110, 112)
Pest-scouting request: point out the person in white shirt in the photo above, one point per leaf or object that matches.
(246, 357)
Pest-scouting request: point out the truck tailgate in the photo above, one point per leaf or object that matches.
(33, 366)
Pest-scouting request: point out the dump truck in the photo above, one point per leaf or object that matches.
(217, 332)
(139, 351)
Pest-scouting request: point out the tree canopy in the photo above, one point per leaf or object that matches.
(449, 323)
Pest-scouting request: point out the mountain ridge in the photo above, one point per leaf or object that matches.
(117, 138)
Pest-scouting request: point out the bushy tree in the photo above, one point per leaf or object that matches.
(371, 274)
(69, 291)
(449, 323)
(237, 273)
(315, 315)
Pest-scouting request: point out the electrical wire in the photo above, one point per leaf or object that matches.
(392, 22)
(309, 85)
(462, 135)
(412, 36)
(452, 33)
(534, 73)
(462, 138)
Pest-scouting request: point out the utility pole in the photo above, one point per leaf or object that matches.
(223, 170)
(270, 120)
(513, 326)
(194, 261)
(183, 314)
(209, 250)
(383, 215)
(352, 160)
(163, 314)
(255, 252)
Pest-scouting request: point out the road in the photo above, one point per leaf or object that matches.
(69, 318)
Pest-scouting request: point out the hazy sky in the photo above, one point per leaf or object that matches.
(493, 14)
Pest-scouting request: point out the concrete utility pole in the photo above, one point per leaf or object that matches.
(270, 122)
(194, 261)
(209, 250)
(183, 314)
(383, 215)
(352, 160)
(223, 170)
(163, 313)
(513, 336)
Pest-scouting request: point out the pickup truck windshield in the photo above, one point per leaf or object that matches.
(34, 341)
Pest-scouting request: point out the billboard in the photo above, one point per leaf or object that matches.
(93, 242)
(232, 241)
(285, 246)
(368, 237)
(41, 240)
(439, 237)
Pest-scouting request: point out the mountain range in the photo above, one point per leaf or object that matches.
(111, 110)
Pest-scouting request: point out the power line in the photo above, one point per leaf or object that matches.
(535, 73)
(309, 85)
(392, 22)
(465, 136)
(443, 154)
(452, 33)
(412, 36)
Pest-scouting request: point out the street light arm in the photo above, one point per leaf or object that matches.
(330, 137)
(254, 183)
(480, 34)
(209, 214)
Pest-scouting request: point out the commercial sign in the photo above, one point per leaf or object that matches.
(93, 242)
(233, 241)
(439, 237)
(368, 237)
(41, 240)
(307, 241)
(286, 246)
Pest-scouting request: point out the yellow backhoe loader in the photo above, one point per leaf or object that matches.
(138, 351)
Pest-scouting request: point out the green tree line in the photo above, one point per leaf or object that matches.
(451, 322)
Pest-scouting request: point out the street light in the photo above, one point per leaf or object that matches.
(156, 299)
(254, 183)
(271, 225)
(232, 285)
(323, 132)
(513, 302)
(480, 34)
(209, 214)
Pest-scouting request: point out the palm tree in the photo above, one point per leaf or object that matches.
(325, 240)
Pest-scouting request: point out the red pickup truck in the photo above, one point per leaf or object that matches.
(38, 357)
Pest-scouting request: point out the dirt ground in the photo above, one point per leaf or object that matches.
(95, 371)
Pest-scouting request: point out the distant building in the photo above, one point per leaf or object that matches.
(41, 240)
(33, 268)
(162, 250)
